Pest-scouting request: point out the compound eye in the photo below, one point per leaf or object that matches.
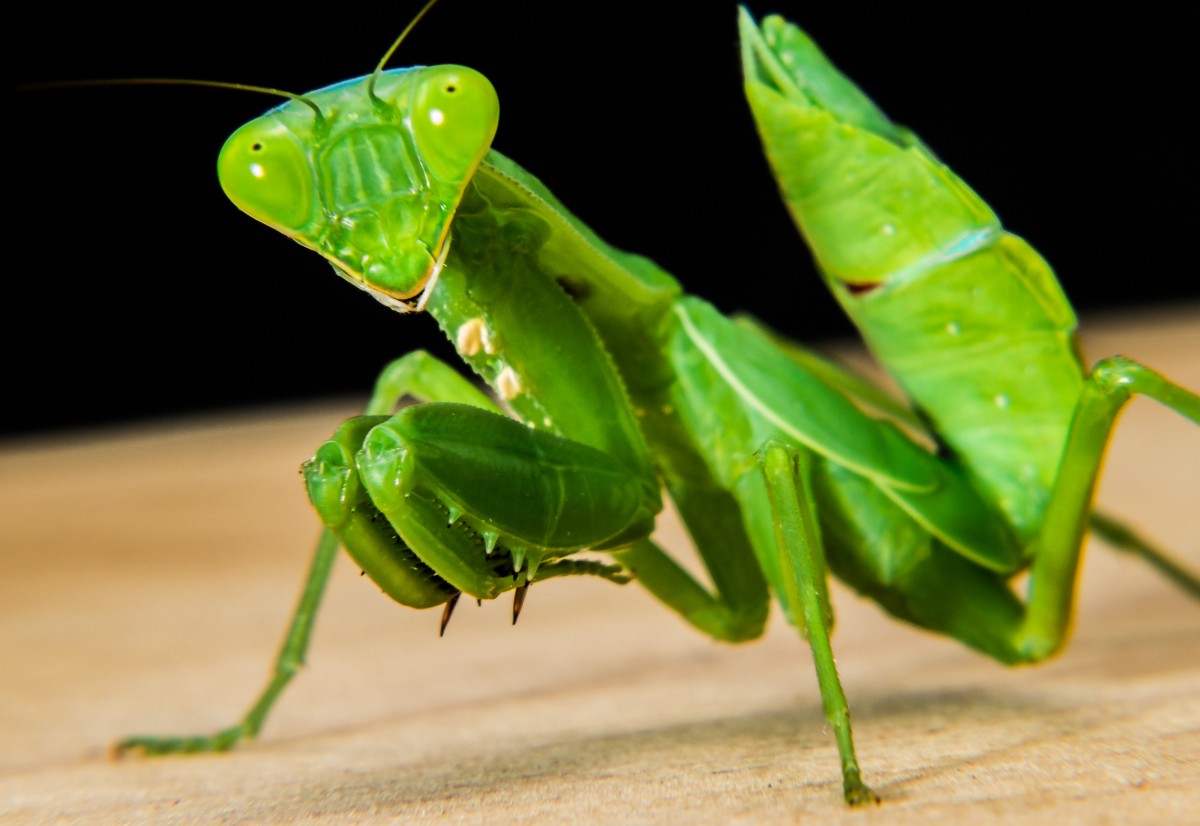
(264, 171)
(454, 117)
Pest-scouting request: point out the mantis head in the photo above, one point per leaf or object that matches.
(368, 172)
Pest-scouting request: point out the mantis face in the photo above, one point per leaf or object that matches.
(373, 180)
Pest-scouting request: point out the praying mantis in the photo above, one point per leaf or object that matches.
(747, 493)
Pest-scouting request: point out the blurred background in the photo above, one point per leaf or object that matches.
(135, 291)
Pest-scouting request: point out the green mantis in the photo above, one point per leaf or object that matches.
(622, 386)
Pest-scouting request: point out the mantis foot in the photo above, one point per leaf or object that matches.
(153, 746)
(856, 792)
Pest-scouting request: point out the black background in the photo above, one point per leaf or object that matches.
(134, 290)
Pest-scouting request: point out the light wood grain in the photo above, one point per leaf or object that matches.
(147, 576)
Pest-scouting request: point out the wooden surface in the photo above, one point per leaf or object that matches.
(147, 576)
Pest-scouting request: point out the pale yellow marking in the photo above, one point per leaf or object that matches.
(470, 337)
(508, 384)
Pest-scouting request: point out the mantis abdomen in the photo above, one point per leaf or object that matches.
(968, 318)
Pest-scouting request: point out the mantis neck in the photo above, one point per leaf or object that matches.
(627, 298)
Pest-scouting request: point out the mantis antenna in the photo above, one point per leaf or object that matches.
(175, 81)
(392, 50)
(242, 87)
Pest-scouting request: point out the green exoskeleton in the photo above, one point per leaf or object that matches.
(613, 388)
